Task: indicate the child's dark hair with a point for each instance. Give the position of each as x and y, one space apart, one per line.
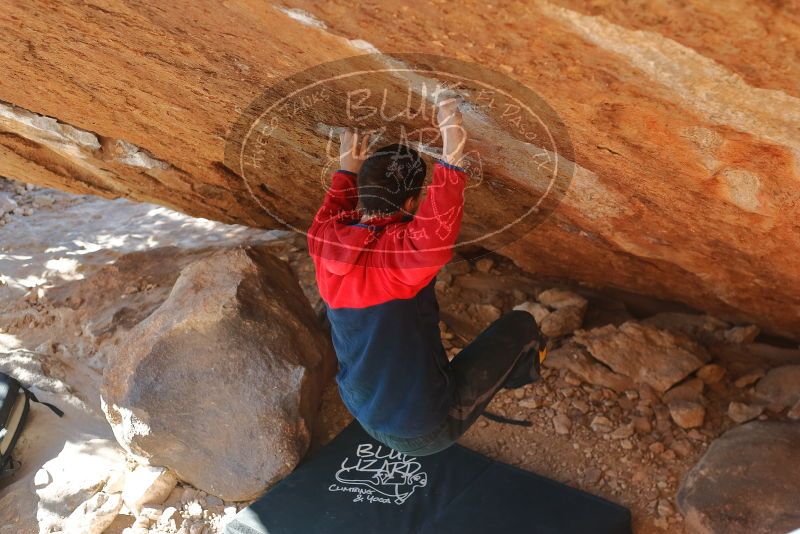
388 177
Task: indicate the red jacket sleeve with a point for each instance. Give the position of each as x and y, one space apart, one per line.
425 244
340 202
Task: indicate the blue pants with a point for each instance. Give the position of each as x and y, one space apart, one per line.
503 353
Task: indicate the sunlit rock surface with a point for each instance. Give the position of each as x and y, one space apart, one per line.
683 117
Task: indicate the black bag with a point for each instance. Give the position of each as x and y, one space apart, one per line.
355 485
14 406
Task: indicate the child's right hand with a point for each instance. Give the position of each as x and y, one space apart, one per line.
448 114
454 137
352 153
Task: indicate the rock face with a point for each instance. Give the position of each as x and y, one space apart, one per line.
719 494
686 151
221 383
646 354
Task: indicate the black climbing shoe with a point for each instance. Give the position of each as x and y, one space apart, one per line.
528 368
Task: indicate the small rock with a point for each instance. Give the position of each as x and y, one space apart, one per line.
7 204
741 334
749 378
741 412
95 515
485 313
147 485
538 311
167 514
691 390
601 424
529 403
626 444
687 414
592 475
116 482
572 380
623 432
581 405
43 201
642 424
562 322
794 412
194 510
656 448
561 424
484 265
151 511
696 435
560 298
780 386
681 447
711 373
664 508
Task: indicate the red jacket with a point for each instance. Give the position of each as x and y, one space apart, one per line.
361 265
377 280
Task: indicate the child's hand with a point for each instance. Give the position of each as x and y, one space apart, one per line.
454 137
448 113
352 153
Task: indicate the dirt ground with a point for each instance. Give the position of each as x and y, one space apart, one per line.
77 272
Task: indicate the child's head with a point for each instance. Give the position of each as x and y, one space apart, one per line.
390 180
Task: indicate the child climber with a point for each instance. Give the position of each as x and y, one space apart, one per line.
377 249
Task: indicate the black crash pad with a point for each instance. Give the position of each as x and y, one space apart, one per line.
355 485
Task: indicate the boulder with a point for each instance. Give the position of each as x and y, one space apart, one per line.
222 382
746 482
646 354
780 386
648 96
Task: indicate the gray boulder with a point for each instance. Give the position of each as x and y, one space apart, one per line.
746 483
222 382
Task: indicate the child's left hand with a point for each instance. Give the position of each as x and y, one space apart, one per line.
352 153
